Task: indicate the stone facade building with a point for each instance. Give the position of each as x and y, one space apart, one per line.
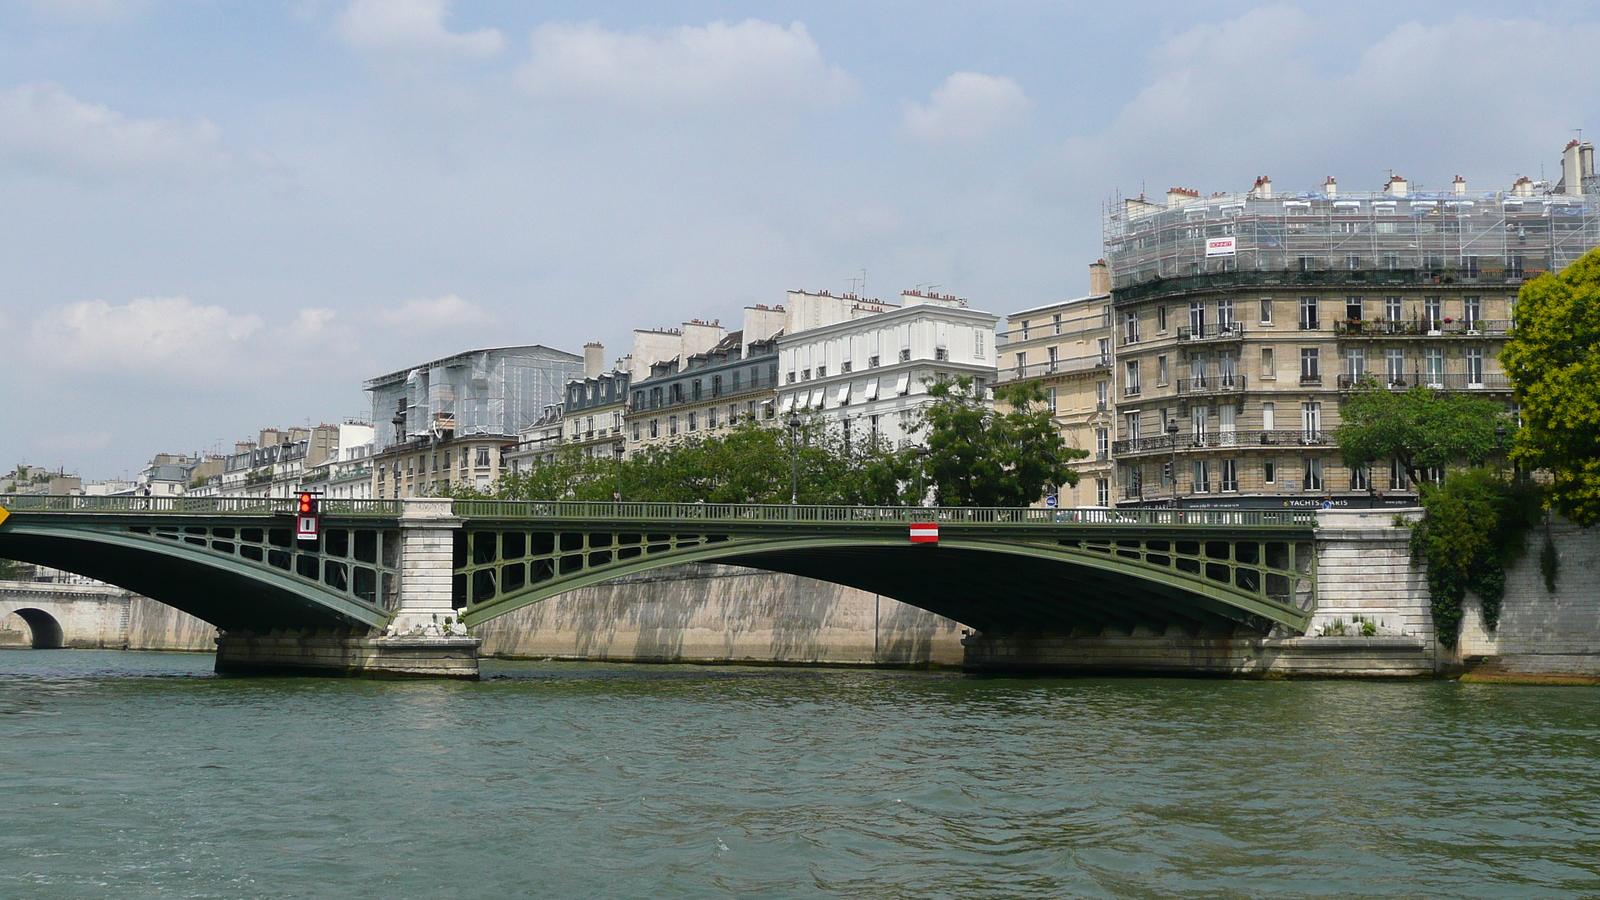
1243 320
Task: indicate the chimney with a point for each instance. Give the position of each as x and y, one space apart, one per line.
1396 186
1099 278
1331 188
1179 196
1523 187
1577 160
1459 185
1263 189
594 359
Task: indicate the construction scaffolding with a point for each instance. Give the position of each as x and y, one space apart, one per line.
1502 236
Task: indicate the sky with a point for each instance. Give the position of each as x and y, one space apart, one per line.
217 217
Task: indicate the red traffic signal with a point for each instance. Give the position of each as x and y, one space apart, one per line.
308 505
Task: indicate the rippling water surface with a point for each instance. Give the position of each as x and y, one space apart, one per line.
141 775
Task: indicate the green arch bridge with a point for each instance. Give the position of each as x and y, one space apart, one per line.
416 570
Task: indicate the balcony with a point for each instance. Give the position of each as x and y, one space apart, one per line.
1222 441
1208 385
1220 331
1294 279
1053 367
1131 390
1455 381
1383 328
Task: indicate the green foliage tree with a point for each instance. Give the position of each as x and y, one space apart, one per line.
1476 524
1553 359
11 570
980 457
1422 428
750 463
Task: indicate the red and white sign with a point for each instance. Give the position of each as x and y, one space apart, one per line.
925 532
1219 246
305 527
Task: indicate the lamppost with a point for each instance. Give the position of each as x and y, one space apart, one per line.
1500 445
794 459
616 456
922 465
1172 437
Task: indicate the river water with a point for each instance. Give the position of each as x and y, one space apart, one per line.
128 775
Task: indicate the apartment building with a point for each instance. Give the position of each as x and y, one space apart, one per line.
1244 320
1067 348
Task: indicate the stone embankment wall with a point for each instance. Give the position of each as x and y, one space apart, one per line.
101 617
1542 633
714 613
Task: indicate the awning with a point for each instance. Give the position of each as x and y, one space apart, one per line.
902 385
872 389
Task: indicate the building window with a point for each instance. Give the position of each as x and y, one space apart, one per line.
822 371
1269 471
1397 476
1050 396
1355 363
1266 310
636 431
1269 418
1161 318
1471 312
1268 364
1130 328
1230 475
1197 318
1130 425
1395 360
672 425
655 428
977 344
1225 314
1022 362
1432 312
1102 492
1353 309
1161 370
1311 421
1130 386
1102 443
1105 351
1024 329
872 362
481 458
791 378
1352 261
1360 478
1311 474
1308 314
905 354
1393 309
1433 366
941 353
1475 366
1469 267
1310 366
1102 390
1055 323
694 422
1201 473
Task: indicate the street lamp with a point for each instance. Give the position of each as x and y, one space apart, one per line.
922 464
794 459
1172 436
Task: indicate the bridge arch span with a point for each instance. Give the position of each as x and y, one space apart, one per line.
1000 583
44 630
182 567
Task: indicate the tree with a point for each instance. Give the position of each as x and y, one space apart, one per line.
980 457
1422 428
1553 359
11 570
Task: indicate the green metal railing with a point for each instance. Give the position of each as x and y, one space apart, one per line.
261 506
745 513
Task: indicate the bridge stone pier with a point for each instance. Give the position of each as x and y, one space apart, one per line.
393 588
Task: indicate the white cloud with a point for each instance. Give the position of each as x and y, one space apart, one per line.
412 26
1278 91
688 67
425 314
968 107
159 335
44 128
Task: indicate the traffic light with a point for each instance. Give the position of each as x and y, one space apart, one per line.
307 524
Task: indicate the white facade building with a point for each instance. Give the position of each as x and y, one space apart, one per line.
869 375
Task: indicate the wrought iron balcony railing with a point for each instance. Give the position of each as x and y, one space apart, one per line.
1222 440
1454 381
1210 384
1424 328
1216 331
